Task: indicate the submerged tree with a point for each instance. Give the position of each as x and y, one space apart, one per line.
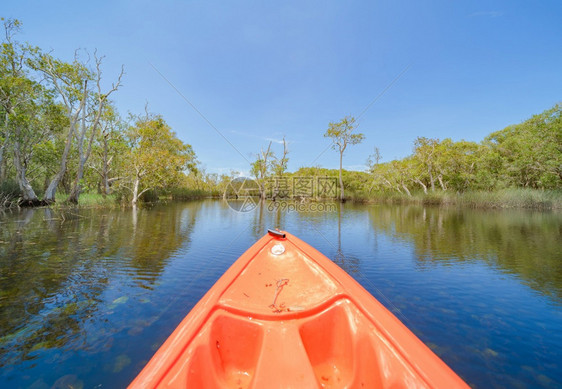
342 135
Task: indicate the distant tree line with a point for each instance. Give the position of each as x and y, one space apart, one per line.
60 131
525 155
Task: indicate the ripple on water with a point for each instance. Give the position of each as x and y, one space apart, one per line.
98 294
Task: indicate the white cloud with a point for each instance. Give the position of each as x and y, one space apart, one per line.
279 141
486 14
274 140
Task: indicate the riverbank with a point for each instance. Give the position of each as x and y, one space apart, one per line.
88 200
95 200
501 199
505 198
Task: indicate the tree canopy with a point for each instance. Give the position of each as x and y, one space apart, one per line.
60 130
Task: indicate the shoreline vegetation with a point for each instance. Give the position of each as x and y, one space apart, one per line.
63 143
502 199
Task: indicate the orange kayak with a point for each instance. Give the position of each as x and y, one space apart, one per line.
285 316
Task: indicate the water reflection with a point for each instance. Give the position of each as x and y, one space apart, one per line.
87 296
56 266
519 242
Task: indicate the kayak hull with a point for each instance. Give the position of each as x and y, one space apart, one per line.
285 316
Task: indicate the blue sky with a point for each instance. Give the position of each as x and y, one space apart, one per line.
264 70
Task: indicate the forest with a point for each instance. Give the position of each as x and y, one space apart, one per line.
61 135
63 140
519 166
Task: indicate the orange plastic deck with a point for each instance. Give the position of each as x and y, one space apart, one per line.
294 320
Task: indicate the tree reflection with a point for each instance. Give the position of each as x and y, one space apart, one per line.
55 267
519 242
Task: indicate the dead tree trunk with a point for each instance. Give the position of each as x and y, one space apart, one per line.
74 193
406 190
417 180
105 167
443 186
84 155
52 188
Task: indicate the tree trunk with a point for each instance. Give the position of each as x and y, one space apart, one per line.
76 187
105 167
136 191
4 143
2 163
431 179
29 198
443 186
422 185
52 188
136 185
75 191
407 190
342 197
83 157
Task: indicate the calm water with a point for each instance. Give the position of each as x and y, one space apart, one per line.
87 296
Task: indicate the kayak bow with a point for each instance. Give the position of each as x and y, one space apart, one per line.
285 316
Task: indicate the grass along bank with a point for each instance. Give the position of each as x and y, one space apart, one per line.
503 198
89 200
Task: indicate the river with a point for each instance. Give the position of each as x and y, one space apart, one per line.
88 295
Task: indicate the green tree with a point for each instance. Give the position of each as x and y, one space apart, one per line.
279 167
531 152
70 81
156 158
373 167
460 163
261 167
109 149
342 135
95 109
425 150
29 111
